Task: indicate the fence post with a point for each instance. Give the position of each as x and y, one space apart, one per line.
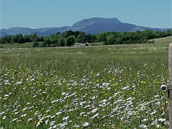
170 85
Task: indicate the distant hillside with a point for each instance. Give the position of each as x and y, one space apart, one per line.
92 25
98 25
24 31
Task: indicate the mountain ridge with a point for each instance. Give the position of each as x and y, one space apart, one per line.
92 25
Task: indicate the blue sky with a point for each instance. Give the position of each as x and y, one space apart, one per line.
55 13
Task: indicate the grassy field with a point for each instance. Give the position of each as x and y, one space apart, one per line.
30 45
102 87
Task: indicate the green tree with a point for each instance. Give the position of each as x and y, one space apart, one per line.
34 37
82 38
102 36
61 42
67 33
110 39
70 41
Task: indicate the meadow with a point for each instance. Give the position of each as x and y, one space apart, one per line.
101 87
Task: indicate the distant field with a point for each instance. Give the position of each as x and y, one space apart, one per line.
29 45
17 45
86 87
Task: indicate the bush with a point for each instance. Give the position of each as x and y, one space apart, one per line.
53 45
44 44
35 44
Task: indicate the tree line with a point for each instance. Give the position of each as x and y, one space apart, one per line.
69 38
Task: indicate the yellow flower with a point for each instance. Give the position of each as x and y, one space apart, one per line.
152 118
143 82
166 101
134 91
36 112
115 84
40 121
162 108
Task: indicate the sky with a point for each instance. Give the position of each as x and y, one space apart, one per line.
57 13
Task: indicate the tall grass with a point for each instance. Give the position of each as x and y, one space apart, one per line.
89 87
